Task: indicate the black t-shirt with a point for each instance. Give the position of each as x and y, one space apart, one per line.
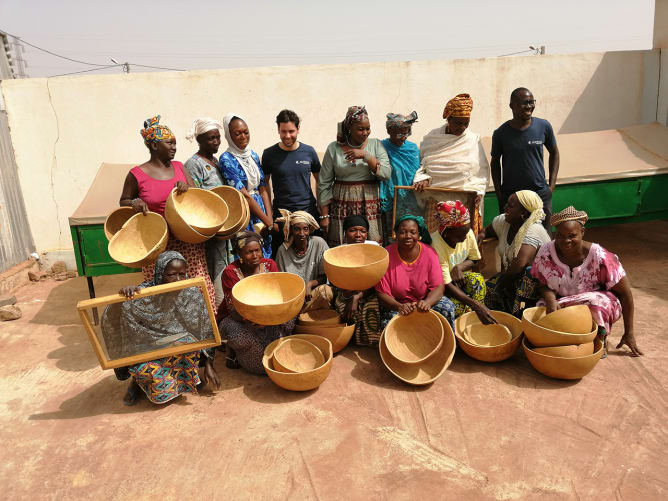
521 153
290 173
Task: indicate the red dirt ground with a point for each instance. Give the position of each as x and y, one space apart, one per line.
482 431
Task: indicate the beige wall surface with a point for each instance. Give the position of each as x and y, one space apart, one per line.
63 128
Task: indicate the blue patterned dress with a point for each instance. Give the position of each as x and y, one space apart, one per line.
234 175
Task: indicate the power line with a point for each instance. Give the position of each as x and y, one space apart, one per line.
154 67
87 71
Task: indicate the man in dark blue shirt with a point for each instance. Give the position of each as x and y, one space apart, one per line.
289 164
518 146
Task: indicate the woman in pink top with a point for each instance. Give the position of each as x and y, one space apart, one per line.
148 185
413 280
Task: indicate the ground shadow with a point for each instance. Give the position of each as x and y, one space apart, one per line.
76 354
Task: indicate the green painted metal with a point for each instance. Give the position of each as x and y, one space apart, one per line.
607 202
92 256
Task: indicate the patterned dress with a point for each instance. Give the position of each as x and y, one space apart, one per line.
590 283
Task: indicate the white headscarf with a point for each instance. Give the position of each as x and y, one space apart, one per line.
244 156
533 203
202 125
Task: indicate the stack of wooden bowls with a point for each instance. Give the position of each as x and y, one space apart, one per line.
356 267
140 241
488 343
563 344
269 298
300 362
239 212
116 219
196 215
417 348
326 323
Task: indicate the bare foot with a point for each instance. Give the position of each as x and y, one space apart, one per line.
130 397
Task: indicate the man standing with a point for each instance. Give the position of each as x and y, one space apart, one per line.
289 164
519 142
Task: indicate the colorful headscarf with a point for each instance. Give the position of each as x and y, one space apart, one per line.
202 125
354 114
570 213
153 132
422 226
290 218
397 121
459 106
533 203
355 220
451 215
243 238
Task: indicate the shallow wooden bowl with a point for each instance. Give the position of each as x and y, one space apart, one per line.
297 355
116 219
269 298
299 381
202 210
487 335
428 371
489 353
414 338
320 317
356 267
235 204
572 319
140 241
541 336
338 334
568 351
561 367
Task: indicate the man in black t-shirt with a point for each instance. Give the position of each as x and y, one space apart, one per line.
289 164
518 145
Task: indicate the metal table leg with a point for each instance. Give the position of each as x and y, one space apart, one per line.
91 293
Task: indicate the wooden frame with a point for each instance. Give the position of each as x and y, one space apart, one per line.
84 306
467 197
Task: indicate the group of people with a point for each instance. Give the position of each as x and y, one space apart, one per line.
353 203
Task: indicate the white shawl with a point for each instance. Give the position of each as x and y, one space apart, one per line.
456 162
244 156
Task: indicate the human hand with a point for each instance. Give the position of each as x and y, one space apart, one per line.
309 291
484 314
324 224
274 227
209 375
629 340
480 239
421 185
422 306
406 308
551 305
139 206
457 276
353 154
181 187
129 291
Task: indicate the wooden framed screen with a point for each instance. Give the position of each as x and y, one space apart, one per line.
160 321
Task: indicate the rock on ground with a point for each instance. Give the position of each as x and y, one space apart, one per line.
10 312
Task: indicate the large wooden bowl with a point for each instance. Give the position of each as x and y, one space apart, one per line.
561 367
237 206
320 317
339 334
299 381
116 219
414 338
269 298
541 336
203 210
140 241
489 353
572 319
356 267
297 355
568 351
487 335
428 371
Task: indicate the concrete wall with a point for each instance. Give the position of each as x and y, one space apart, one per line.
661 42
63 128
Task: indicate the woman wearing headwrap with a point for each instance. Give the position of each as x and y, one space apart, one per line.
301 252
348 183
404 158
413 280
161 320
453 156
240 167
573 271
520 234
148 185
359 307
457 250
246 341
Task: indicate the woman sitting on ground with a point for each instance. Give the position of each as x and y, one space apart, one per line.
457 250
573 271
301 252
246 341
147 321
359 307
240 167
520 235
413 280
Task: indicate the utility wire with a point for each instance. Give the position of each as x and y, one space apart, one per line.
520 52
87 71
155 67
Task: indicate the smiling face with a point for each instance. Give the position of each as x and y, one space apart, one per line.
288 133
356 235
251 253
174 271
239 133
569 238
398 135
359 131
408 234
514 211
522 103
165 150
209 142
457 125
300 233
